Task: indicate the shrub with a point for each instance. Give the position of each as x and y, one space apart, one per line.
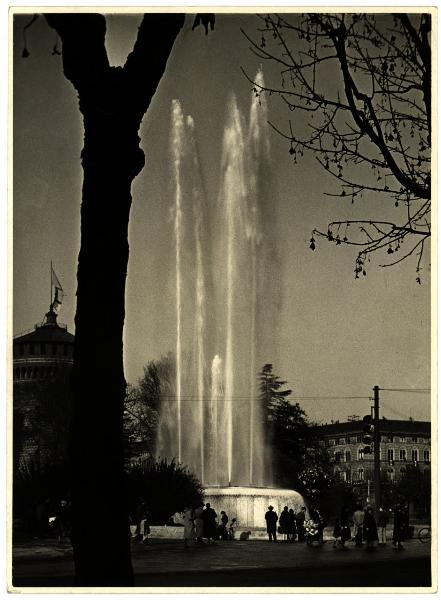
165 487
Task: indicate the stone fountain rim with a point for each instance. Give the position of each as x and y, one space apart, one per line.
233 490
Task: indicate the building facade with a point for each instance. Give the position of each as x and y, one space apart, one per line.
42 365
402 443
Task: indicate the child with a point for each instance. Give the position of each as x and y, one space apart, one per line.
232 529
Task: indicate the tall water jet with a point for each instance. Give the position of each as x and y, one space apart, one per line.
233 194
177 149
258 154
200 298
215 397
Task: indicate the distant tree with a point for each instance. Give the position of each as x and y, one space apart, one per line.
165 487
415 488
298 460
361 86
270 391
143 404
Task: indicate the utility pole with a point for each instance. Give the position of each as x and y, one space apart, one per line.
377 490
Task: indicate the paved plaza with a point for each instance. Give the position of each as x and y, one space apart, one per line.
253 563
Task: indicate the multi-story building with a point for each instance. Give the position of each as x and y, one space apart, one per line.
42 363
402 443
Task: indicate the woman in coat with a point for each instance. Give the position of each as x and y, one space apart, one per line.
399 526
370 533
345 527
199 523
189 533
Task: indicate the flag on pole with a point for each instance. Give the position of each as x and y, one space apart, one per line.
57 291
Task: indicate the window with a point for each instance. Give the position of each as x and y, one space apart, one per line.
353 439
360 474
402 454
390 438
337 457
390 474
332 442
348 456
402 439
390 454
342 441
414 439
359 438
426 455
343 476
360 454
415 455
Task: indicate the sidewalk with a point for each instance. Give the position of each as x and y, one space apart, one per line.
165 562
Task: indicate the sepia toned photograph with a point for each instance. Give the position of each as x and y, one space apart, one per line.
221 323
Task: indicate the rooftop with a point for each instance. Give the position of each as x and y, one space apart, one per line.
386 426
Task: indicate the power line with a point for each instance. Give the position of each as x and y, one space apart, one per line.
207 398
394 410
410 390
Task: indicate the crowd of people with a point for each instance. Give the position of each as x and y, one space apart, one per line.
202 525
360 526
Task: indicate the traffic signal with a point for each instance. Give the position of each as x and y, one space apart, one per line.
368 434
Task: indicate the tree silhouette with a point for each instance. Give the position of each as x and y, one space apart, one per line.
271 393
361 87
113 101
143 404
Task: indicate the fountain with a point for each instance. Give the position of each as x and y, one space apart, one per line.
214 424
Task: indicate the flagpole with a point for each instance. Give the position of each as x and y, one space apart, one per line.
50 305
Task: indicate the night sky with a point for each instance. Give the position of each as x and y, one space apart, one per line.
334 337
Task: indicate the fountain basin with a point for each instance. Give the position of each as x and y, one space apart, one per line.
249 504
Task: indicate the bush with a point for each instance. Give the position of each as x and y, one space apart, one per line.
165 487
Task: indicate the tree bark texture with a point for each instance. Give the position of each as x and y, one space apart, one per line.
113 101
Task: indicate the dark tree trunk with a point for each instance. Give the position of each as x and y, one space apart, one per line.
113 102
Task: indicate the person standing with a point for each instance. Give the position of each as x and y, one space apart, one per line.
232 529
370 533
300 524
399 526
199 523
209 518
336 534
223 527
189 533
284 523
345 527
271 519
383 520
358 519
291 525
63 521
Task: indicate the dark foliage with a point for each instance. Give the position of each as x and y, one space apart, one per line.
142 406
299 462
34 485
165 487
